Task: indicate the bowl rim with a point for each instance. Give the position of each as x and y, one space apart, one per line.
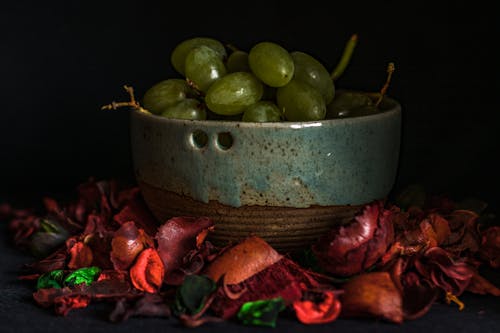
393 109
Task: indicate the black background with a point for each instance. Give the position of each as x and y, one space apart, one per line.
62 60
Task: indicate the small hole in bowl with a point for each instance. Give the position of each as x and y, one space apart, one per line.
199 139
224 140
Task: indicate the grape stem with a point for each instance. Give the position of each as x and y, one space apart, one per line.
345 58
390 69
115 105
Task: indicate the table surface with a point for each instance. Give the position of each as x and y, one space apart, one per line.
19 313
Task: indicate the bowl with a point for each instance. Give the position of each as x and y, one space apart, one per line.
287 182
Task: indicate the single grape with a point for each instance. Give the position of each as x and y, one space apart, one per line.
189 108
271 63
238 62
180 52
232 93
345 101
263 111
203 67
165 94
311 71
299 101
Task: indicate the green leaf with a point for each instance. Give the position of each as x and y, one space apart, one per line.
85 275
53 279
193 293
261 312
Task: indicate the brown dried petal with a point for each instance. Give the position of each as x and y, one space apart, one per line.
372 295
126 244
242 261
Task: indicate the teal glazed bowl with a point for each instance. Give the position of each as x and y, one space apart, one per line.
287 182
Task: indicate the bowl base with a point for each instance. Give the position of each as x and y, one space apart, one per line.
286 229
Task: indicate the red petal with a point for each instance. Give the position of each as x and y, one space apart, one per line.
148 271
327 311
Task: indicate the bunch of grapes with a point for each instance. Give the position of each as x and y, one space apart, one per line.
265 84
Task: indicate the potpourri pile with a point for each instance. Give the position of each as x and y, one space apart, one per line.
391 262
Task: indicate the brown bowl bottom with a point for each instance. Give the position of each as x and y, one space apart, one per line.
284 228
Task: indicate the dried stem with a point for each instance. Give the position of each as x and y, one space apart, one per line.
345 58
390 69
453 298
115 105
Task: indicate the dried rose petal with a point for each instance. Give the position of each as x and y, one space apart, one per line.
149 305
479 285
438 267
352 248
490 246
311 312
80 255
372 295
64 304
177 237
148 271
136 210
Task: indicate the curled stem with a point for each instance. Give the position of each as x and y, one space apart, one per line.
115 105
390 69
453 298
345 58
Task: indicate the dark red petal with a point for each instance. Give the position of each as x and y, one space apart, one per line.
177 237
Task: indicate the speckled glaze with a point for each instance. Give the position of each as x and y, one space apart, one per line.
348 161
287 182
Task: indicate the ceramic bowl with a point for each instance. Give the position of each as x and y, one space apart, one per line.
288 182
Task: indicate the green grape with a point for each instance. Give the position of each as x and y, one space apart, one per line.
189 108
238 62
300 102
345 101
262 111
365 110
165 94
271 63
232 93
180 52
311 71
203 66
